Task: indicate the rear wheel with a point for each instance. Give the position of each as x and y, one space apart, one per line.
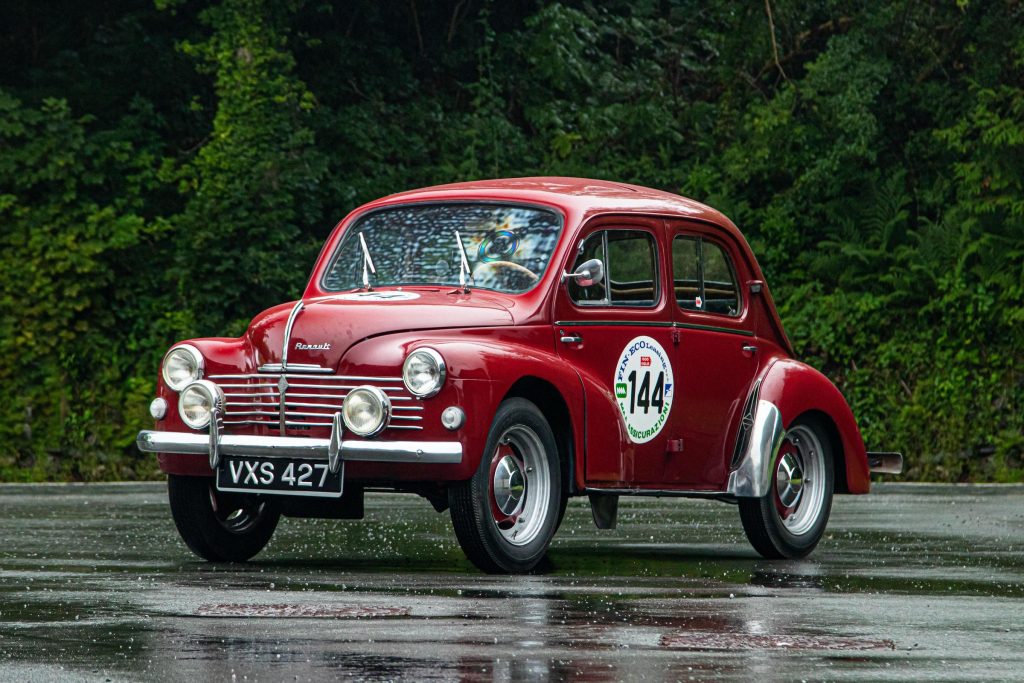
219 526
790 520
506 515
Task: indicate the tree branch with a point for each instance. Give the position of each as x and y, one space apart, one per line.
775 47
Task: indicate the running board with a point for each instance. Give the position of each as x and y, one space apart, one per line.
885 463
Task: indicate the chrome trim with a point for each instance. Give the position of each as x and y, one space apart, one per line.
433 452
752 477
189 443
258 399
196 356
385 409
216 426
282 404
442 371
296 309
886 463
334 444
306 368
347 378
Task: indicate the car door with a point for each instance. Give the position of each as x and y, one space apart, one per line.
617 333
716 356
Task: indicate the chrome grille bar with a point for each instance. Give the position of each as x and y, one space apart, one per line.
302 398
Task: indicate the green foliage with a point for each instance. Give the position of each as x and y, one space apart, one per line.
167 171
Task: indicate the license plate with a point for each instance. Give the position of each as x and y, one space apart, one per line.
279 476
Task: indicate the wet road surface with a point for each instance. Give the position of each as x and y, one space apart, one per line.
912 582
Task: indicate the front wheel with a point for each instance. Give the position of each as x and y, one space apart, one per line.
219 526
790 520
506 514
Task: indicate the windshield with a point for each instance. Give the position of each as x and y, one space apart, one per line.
508 247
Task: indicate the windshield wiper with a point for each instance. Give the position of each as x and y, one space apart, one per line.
367 264
463 265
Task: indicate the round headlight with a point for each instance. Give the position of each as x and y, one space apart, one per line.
197 401
423 372
366 411
182 364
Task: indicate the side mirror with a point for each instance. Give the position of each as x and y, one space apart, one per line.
588 274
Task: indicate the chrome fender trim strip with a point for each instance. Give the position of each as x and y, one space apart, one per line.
752 477
429 452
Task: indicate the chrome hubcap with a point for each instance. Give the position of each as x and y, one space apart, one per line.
800 481
789 480
520 485
509 485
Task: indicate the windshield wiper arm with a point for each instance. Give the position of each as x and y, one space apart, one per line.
367 264
463 264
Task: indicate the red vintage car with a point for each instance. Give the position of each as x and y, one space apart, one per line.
498 347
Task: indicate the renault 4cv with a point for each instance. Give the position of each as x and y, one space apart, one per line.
498 347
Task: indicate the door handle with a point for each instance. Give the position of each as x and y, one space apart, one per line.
571 339
749 348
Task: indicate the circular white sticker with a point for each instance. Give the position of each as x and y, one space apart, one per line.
644 388
380 296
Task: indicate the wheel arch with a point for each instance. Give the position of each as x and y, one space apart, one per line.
840 484
555 409
798 390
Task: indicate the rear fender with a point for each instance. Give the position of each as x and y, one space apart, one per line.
788 390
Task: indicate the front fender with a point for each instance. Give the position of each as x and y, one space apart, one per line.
483 367
787 390
220 355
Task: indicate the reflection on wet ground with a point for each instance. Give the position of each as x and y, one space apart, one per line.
922 582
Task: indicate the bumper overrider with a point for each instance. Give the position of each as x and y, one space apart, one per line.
333 449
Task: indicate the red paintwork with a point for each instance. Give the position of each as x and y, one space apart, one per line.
796 389
490 341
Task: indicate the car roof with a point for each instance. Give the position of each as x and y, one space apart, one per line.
581 199
585 196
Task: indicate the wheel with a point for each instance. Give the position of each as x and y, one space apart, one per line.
789 521
218 526
506 514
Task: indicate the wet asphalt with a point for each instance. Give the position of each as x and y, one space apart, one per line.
911 583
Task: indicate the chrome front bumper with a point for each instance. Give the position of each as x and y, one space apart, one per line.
431 452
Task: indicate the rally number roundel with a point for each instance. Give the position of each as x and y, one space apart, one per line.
644 388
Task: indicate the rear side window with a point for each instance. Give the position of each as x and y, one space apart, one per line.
630 260
704 277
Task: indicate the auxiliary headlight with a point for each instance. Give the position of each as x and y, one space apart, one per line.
423 372
182 364
197 401
366 411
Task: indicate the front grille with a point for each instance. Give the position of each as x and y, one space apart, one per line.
310 401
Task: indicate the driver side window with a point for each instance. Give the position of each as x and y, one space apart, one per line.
631 273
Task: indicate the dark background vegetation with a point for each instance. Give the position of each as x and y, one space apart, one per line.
168 170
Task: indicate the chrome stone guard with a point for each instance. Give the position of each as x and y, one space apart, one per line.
334 449
753 477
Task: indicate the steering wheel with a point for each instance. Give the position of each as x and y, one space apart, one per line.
513 268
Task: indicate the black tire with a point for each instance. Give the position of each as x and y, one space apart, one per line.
511 536
778 530
218 526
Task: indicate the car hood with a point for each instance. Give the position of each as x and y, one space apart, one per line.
325 328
